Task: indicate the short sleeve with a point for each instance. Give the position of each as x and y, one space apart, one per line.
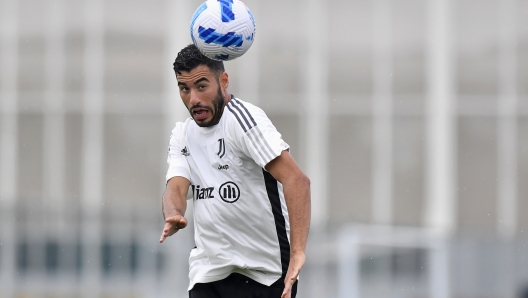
178 165
255 135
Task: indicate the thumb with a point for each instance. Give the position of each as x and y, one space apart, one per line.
177 220
182 223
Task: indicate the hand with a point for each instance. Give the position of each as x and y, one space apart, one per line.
172 225
296 262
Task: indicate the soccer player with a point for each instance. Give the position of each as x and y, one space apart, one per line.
251 199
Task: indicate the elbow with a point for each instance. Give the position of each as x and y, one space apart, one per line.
306 181
303 181
298 181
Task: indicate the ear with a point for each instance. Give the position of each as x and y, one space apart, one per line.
224 80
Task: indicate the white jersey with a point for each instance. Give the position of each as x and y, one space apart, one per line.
240 215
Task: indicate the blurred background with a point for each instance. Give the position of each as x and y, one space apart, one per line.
409 116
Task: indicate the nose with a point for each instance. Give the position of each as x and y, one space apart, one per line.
194 98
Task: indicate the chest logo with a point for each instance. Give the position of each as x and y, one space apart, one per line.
229 192
221 148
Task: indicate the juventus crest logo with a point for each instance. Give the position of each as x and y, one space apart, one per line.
221 148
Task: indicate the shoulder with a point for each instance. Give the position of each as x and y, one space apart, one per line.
245 114
179 127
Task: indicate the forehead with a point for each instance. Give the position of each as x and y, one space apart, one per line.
189 77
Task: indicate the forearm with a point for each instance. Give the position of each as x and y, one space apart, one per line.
297 194
172 205
174 199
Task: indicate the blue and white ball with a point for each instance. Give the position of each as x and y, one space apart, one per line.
223 29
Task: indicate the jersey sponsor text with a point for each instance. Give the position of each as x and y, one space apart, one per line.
202 193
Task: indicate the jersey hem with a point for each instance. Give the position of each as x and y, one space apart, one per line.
268 280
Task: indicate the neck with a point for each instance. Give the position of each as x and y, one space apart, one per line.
220 109
227 97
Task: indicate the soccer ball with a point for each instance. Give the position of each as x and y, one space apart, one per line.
223 29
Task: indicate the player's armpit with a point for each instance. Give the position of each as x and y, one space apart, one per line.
284 168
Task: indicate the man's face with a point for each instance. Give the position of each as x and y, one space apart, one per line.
203 94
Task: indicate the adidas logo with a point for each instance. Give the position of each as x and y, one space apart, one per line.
185 152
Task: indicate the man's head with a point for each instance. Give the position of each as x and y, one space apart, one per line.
203 85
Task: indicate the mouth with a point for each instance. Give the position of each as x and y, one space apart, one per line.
200 114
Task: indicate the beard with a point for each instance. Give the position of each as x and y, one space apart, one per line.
216 111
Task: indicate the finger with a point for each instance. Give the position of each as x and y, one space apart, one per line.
166 232
286 293
166 235
290 279
167 227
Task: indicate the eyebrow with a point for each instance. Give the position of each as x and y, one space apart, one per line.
200 80
196 82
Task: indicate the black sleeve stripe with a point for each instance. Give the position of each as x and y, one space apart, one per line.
243 115
267 145
253 132
280 222
248 113
257 143
236 116
261 142
260 153
251 138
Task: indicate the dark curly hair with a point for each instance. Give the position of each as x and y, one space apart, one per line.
190 57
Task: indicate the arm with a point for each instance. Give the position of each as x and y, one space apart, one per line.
174 205
297 194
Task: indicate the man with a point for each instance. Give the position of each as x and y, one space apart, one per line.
251 200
